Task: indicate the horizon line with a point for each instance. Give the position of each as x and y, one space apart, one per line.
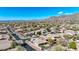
30 19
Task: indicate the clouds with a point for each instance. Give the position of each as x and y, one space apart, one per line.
60 12
63 13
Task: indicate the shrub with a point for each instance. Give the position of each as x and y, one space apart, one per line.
39 33
77 36
19 48
13 44
59 48
74 38
50 41
73 45
68 36
48 29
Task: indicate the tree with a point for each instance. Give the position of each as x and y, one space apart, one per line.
50 41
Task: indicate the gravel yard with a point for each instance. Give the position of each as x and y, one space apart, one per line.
4 44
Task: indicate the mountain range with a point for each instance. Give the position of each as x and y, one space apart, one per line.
62 18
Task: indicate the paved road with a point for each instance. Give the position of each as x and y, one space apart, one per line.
25 45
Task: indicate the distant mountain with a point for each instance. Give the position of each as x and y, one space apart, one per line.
64 18
74 18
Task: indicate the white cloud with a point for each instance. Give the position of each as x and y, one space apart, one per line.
63 13
60 12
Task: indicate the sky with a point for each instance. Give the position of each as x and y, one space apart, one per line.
29 13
